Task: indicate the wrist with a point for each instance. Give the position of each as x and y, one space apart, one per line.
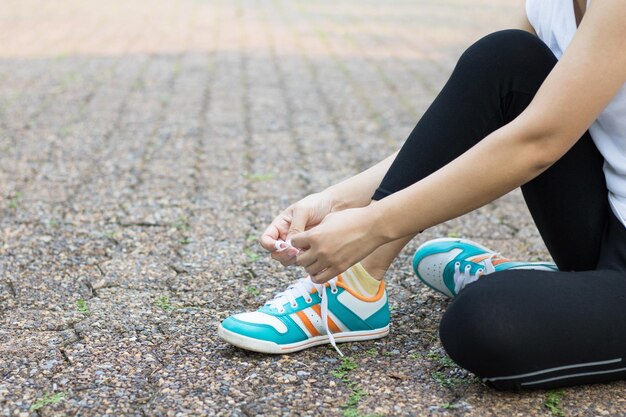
337 199
380 225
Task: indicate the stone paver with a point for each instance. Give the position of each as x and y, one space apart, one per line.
143 146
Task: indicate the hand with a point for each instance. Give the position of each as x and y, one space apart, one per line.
298 217
341 240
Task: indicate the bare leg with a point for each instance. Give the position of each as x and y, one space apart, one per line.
378 261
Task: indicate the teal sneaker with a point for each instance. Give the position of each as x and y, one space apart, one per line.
307 315
447 265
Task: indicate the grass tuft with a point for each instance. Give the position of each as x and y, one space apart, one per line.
182 224
14 201
443 360
252 255
253 291
347 365
553 403
448 381
163 303
259 177
46 400
356 392
82 307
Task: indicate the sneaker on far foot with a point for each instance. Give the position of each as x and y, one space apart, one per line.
309 314
447 265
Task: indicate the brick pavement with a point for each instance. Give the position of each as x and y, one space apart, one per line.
143 144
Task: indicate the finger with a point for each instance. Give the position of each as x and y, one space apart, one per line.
276 230
324 276
301 240
269 237
305 259
299 220
284 258
315 268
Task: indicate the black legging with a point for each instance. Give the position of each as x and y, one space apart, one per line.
525 328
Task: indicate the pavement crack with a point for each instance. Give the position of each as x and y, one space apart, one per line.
140 224
178 269
11 288
65 357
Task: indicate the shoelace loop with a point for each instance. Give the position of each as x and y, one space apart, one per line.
461 279
303 288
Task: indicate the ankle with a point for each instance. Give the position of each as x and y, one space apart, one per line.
377 271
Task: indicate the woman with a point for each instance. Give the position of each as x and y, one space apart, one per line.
519 110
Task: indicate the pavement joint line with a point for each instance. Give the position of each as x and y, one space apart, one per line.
329 108
135 85
289 105
382 128
406 39
199 148
394 90
82 107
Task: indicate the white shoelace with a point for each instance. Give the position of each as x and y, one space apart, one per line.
303 288
461 279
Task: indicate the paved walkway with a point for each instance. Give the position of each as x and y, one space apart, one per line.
145 144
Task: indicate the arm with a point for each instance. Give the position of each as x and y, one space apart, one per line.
522 18
357 191
353 192
589 74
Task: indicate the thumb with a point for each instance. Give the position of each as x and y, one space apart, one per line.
299 220
301 240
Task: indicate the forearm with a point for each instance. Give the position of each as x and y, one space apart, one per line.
504 160
357 191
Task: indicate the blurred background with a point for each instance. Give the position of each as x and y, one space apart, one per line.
145 144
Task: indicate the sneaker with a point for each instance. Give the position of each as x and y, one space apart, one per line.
307 315
448 265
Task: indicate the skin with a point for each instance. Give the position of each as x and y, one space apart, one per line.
348 227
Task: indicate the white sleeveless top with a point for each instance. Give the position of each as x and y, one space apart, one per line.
554 22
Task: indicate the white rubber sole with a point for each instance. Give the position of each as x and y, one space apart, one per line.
456 239
264 346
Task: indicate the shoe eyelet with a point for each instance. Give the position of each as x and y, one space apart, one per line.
294 305
334 291
281 311
457 264
308 301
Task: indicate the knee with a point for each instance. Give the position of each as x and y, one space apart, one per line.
473 335
508 51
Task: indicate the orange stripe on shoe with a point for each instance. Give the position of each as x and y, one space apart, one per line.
499 261
331 324
375 297
310 327
478 258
